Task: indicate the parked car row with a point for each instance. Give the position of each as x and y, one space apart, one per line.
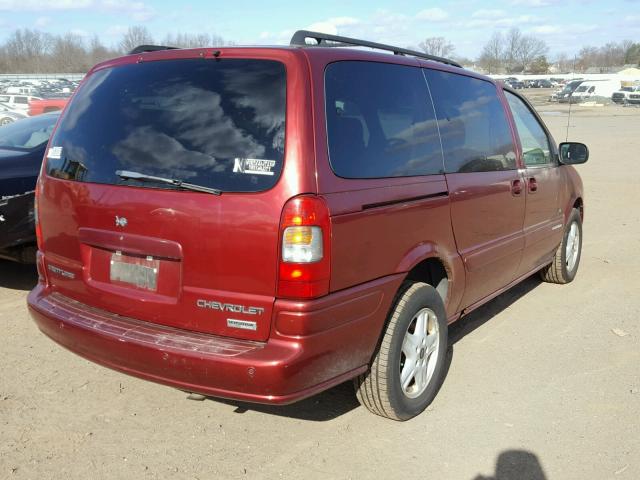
516 84
581 90
49 88
627 95
22 98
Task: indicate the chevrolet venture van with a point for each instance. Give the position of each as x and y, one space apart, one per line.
262 224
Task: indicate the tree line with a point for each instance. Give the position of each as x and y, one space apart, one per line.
32 51
515 52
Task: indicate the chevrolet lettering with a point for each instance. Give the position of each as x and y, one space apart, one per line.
229 307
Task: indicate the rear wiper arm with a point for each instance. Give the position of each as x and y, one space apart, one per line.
125 174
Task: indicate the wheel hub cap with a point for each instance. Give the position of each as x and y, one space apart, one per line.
572 248
419 354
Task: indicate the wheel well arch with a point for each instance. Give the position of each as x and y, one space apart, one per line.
580 206
433 271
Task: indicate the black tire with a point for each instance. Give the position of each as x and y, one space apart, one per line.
379 389
558 271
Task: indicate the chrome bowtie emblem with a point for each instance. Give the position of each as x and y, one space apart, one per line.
2 218
121 221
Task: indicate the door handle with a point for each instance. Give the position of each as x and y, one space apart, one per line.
516 187
533 185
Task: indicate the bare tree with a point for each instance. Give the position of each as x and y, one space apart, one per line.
531 48
512 47
135 36
188 40
564 63
492 54
438 46
606 58
98 52
521 50
32 51
587 57
26 50
69 55
612 54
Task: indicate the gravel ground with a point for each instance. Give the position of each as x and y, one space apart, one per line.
544 381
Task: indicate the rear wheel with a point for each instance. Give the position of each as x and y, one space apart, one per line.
5 121
408 368
566 260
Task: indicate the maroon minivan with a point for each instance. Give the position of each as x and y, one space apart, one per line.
262 224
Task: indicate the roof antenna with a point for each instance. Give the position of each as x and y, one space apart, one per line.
566 138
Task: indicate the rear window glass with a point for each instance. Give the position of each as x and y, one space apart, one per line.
214 123
476 136
380 121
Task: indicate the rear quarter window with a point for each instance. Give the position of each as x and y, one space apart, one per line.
214 123
380 121
476 136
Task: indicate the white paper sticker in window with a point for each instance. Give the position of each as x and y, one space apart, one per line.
55 153
253 166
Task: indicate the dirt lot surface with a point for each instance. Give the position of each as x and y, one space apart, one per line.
544 381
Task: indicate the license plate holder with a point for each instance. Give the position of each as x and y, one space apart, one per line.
140 272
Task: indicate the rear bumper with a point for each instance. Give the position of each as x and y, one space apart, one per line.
324 351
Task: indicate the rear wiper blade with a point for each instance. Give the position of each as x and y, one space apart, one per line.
125 174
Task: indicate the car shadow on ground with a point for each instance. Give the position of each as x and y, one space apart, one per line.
517 465
476 319
341 399
17 276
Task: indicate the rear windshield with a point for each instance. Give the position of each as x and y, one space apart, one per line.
214 123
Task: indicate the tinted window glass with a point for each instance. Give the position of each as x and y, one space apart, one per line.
473 126
216 123
28 133
535 144
4 98
380 121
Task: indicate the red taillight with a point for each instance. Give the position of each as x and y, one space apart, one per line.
305 241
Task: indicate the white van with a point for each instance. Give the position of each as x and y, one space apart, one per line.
623 95
20 90
595 88
17 102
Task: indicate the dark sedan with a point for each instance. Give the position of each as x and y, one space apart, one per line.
22 147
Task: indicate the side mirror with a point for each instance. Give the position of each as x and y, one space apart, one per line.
573 153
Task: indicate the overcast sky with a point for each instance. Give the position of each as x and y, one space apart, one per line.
565 25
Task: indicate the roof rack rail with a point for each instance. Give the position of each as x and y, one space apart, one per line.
300 39
150 48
